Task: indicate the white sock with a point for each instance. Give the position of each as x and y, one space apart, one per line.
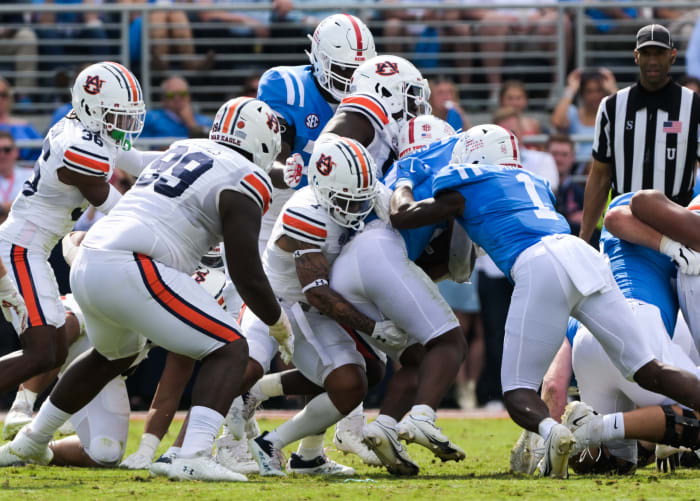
613 427
423 410
318 415
267 387
545 427
47 421
202 428
25 395
149 444
172 452
387 421
311 447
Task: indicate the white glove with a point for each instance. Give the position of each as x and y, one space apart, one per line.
687 259
143 457
382 203
293 170
282 332
387 334
10 301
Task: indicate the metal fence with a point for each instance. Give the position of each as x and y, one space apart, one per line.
444 39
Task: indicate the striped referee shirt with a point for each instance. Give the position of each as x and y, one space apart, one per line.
651 139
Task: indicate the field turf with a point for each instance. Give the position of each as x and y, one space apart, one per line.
482 475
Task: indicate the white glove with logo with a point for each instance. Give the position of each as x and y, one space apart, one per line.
10 301
687 259
143 457
282 332
387 334
293 170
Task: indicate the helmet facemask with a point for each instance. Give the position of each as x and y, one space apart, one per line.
121 127
347 209
416 98
332 75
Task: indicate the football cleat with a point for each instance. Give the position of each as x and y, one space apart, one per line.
320 465
66 429
526 453
235 455
586 425
348 439
557 448
385 443
422 431
202 467
241 411
161 467
7 458
268 457
20 414
28 449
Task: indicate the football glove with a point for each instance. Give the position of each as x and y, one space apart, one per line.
388 335
143 457
293 170
687 259
411 172
11 301
282 332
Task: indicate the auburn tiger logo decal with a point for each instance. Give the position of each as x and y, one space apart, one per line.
93 85
325 164
387 68
272 123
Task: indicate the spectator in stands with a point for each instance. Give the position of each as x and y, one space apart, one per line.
20 42
590 87
691 82
539 162
445 103
12 176
570 196
250 86
20 129
692 54
513 95
418 26
176 118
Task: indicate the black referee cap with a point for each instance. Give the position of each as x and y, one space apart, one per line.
654 34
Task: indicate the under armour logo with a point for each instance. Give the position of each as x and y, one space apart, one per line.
93 85
325 164
387 68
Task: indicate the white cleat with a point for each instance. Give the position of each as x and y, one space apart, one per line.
7 458
586 425
348 439
320 465
526 453
384 441
162 466
421 430
557 448
235 455
28 449
202 467
19 415
268 457
241 411
66 429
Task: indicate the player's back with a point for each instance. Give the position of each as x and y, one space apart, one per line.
46 208
171 213
506 209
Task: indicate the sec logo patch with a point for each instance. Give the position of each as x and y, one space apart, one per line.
312 121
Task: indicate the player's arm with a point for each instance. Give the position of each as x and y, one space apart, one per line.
407 213
555 384
94 188
595 197
353 125
624 225
313 271
675 221
134 161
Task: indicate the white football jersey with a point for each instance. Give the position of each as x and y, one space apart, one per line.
385 144
694 204
171 214
303 219
46 209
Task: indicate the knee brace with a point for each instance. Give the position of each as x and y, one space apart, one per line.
690 428
105 451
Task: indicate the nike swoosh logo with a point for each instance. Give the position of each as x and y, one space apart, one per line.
576 421
615 423
680 251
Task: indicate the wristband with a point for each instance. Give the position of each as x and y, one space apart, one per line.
111 200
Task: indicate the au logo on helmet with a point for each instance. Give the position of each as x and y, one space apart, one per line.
272 123
93 85
387 68
325 164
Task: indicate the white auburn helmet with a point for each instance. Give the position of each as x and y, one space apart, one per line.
396 83
210 274
342 176
421 131
487 144
107 99
340 42
250 125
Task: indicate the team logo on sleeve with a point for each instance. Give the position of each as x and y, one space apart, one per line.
387 68
93 85
325 164
312 121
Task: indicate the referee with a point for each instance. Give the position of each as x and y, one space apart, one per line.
646 135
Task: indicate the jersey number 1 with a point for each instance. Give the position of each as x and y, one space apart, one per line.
542 211
174 172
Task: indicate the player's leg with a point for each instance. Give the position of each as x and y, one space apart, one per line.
688 287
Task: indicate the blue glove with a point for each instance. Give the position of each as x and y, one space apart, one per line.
412 172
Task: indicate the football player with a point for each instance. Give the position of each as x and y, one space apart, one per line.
510 213
132 280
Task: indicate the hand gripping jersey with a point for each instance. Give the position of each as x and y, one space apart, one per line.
303 219
506 209
171 214
47 209
385 144
642 273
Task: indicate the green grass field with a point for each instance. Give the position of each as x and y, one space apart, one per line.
483 475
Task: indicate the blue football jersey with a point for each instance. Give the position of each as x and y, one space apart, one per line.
506 209
642 273
292 93
571 329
